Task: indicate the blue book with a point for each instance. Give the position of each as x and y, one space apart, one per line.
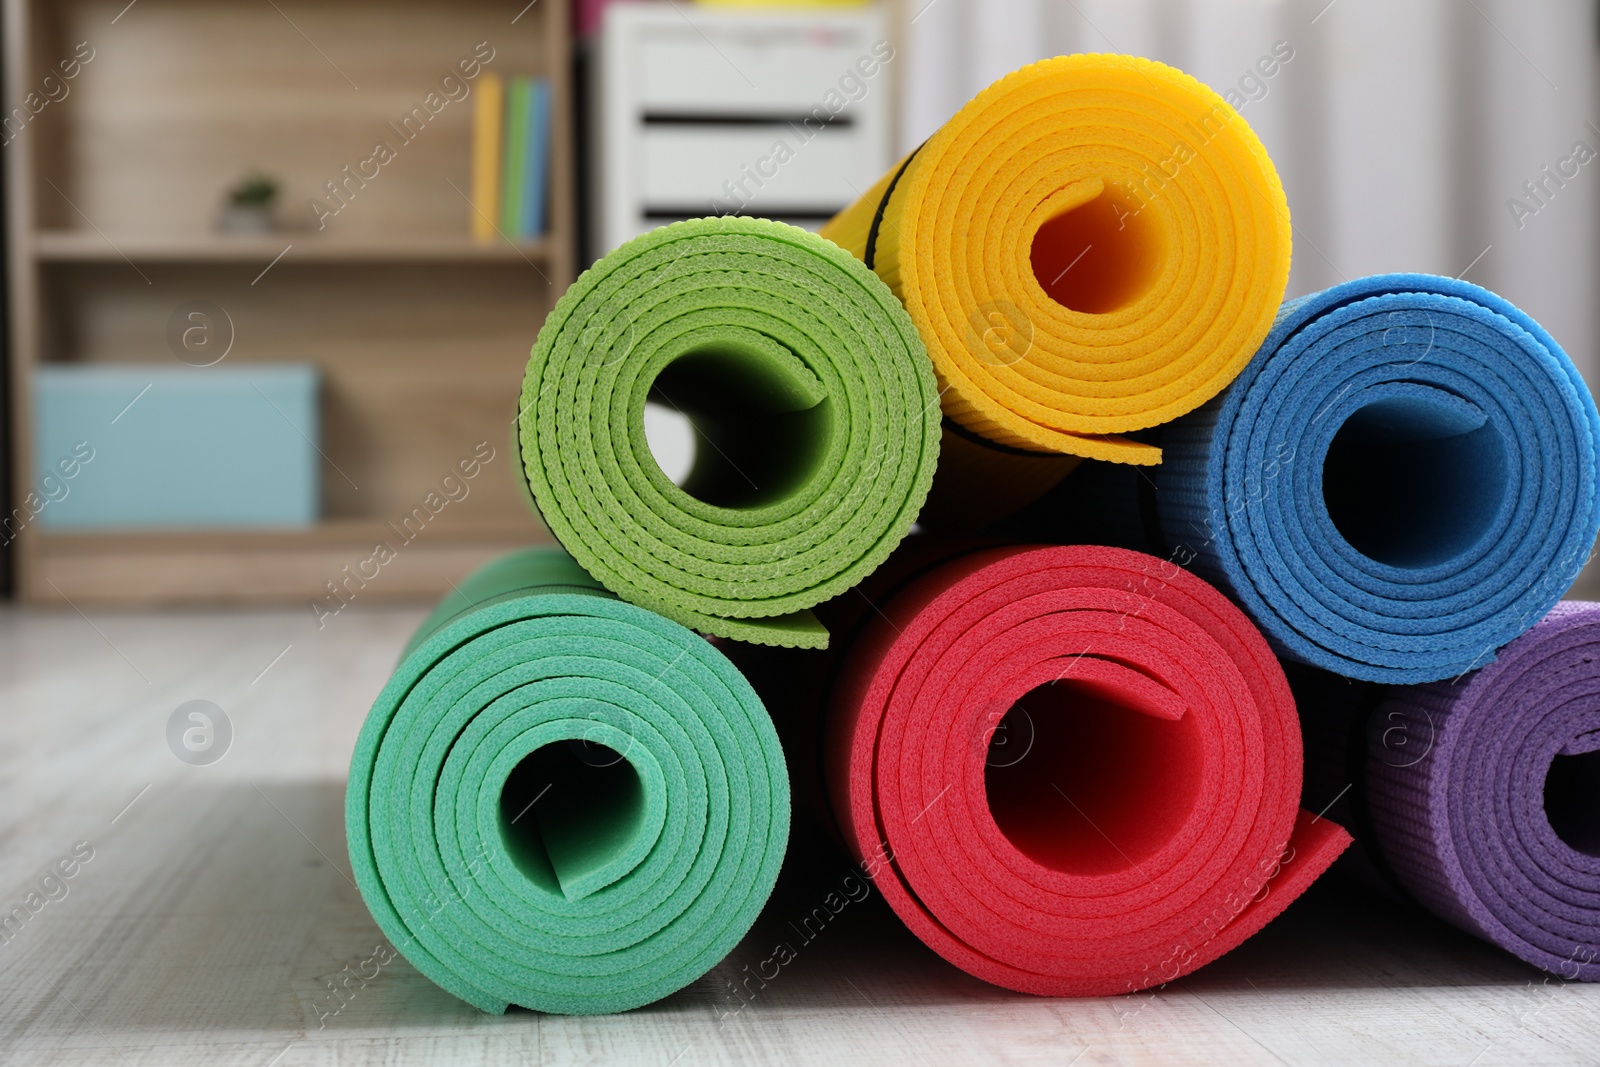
536 174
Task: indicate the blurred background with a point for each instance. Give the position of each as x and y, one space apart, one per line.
272 270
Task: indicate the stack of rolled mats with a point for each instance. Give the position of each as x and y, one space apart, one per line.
1398 490
1014 492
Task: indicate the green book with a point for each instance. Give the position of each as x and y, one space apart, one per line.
513 204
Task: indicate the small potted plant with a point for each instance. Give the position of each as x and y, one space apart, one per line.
250 204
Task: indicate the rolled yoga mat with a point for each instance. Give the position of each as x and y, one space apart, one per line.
1401 482
814 407
1094 244
1481 798
1071 771
561 800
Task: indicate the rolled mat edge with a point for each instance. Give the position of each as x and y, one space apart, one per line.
827 355
530 654
1019 366
965 898
1462 806
1241 490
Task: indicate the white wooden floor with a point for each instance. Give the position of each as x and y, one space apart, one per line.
217 907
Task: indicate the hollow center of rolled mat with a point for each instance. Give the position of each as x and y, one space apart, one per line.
1572 801
1414 480
1088 780
1098 256
568 813
761 421
670 435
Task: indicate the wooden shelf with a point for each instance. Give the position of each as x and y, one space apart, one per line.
145 567
87 246
327 533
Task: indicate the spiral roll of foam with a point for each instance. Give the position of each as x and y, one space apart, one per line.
1094 244
814 407
561 800
1402 481
1071 771
1482 797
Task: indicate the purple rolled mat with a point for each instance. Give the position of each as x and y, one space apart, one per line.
1483 795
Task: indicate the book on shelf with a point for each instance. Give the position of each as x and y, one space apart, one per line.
486 157
538 173
511 159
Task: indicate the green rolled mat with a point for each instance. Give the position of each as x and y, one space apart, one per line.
815 411
561 800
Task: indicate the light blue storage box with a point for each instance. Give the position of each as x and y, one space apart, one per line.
177 446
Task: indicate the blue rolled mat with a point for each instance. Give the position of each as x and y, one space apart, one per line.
1400 482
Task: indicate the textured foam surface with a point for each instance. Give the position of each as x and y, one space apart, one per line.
816 416
561 800
1490 812
1401 481
1094 244
1072 771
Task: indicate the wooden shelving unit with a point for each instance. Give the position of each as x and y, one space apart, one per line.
74 246
421 333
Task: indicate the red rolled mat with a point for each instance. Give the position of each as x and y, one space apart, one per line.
1136 814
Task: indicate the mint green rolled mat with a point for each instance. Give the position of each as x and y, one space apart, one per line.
562 800
816 418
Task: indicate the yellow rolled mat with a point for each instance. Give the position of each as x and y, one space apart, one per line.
1095 244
